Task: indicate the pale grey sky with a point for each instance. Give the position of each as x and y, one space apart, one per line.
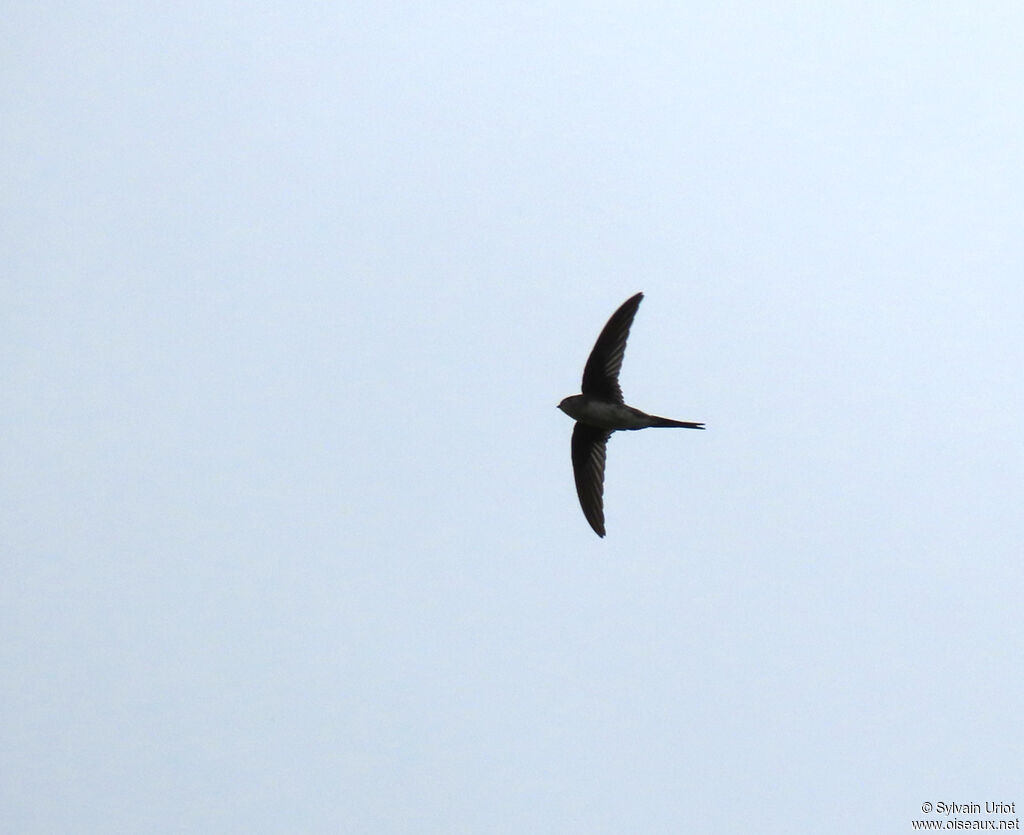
289 535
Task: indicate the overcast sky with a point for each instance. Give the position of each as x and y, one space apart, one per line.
289 535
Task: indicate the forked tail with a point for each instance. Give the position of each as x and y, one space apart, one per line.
660 421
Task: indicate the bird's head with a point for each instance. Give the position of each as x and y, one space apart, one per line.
568 404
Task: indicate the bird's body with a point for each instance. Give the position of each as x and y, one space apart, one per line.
600 410
606 414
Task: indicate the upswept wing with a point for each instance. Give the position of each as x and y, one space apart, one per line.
601 374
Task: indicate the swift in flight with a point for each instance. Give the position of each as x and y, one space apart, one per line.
600 410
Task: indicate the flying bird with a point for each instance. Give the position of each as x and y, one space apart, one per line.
600 410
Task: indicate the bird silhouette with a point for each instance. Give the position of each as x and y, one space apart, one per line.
600 410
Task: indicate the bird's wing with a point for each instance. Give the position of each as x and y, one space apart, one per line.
601 375
588 452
